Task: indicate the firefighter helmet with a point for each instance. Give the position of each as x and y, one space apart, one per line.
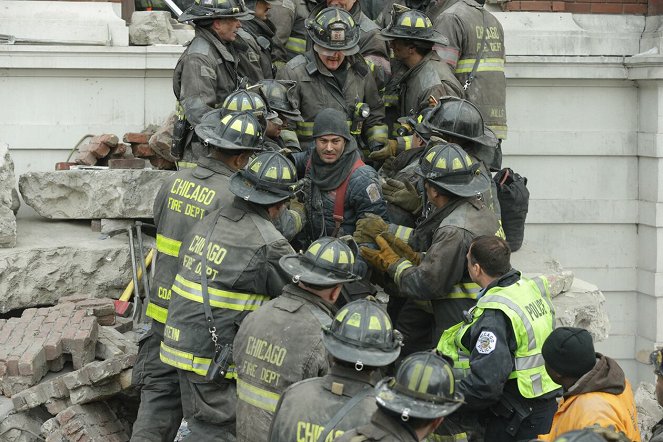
278 93
411 24
656 359
460 118
448 166
413 123
328 261
212 9
423 388
233 131
268 179
362 334
334 29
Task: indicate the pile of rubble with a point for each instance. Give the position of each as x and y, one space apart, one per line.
67 370
153 145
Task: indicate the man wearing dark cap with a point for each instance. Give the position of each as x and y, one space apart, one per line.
595 388
341 188
281 343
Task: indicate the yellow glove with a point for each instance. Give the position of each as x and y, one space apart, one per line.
380 259
401 248
368 228
390 149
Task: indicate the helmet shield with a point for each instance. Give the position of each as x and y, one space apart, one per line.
268 179
423 388
362 334
451 168
334 29
279 98
327 262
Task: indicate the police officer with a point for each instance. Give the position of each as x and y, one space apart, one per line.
497 349
360 340
281 343
412 404
184 199
278 95
255 43
340 187
476 52
412 36
207 70
331 75
228 267
437 286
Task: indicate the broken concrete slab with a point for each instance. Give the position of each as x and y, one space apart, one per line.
151 27
583 306
92 194
9 201
55 259
93 422
23 427
649 411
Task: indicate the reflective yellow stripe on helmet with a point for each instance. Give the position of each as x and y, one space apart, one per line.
257 397
168 246
297 45
218 298
156 312
466 65
189 362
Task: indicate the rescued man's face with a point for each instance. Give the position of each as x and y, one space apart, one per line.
330 148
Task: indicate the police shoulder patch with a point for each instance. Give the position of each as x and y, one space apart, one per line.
486 342
373 192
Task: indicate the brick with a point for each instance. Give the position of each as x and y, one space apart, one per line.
606 8
558 6
531 5
511 6
162 163
120 150
56 406
106 320
578 8
635 9
142 150
28 314
108 139
136 138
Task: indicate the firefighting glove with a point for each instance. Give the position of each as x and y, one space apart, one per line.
368 228
390 149
380 259
298 213
402 248
402 194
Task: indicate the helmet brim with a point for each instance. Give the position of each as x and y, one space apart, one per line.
290 114
487 139
479 184
397 402
347 50
437 38
244 189
207 136
197 12
307 273
371 357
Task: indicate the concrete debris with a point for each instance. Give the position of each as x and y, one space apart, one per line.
56 259
91 422
42 338
162 139
92 194
649 411
9 201
151 27
23 427
560 282
583 305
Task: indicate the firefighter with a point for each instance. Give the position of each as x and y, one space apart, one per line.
183 200
436 285
360 340
255 43
332 75
281 343
339 187
412 404
228 267
278 95
496 350
207 70
476 53
411 36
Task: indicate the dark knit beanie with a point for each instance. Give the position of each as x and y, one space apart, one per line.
569 351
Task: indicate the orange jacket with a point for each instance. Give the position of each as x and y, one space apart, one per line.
578 411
